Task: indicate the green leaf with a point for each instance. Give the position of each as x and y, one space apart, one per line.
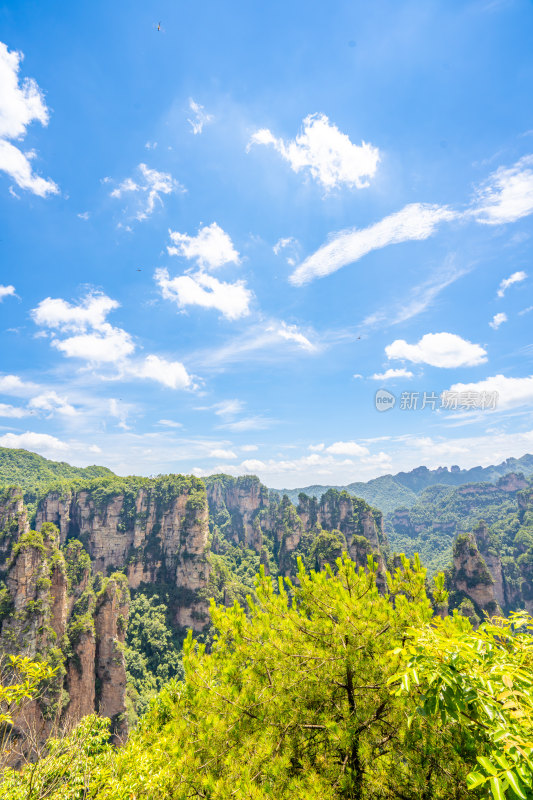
513 782
487 765
475 779
497 789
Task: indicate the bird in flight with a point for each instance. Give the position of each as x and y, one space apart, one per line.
139 269
158 26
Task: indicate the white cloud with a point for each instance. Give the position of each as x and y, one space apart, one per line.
228 408
19 106
43 443
439 350
507 195
414 222
497 320
170 423
291 333
270 341
13 385
168 373
231 299
255 423
84 215
12 411
219 453
512 392
6 291
201 117
390 374
96 341
281 244
109 346
249 448
347 449
91 312
150 187
211 248
329 155
418 298
516 277
52 402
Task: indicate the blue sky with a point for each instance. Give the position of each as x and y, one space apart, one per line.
220 239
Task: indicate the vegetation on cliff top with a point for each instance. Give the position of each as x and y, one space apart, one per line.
325 689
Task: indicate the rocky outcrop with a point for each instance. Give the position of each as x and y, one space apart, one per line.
243 512
158 531
235 505
110 622
52 608
488 548
471 577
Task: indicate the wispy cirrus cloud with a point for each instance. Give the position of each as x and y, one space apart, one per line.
516 277
414 222
201 117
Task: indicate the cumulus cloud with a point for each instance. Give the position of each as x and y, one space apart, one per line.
329 155
43 443
90 312
497 320
390 374
13 385
21 102
516 277
99 343
414 222
94 340
171 374
200 289
512 392
347 449
107 346
149 187
13 412
507 195
201 117
6 291
50 401
438 350
222 454
211 248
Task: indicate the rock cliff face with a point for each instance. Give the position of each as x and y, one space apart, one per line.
76 625
471 577
243 511
158 532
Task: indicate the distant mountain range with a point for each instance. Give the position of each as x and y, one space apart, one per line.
389 492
